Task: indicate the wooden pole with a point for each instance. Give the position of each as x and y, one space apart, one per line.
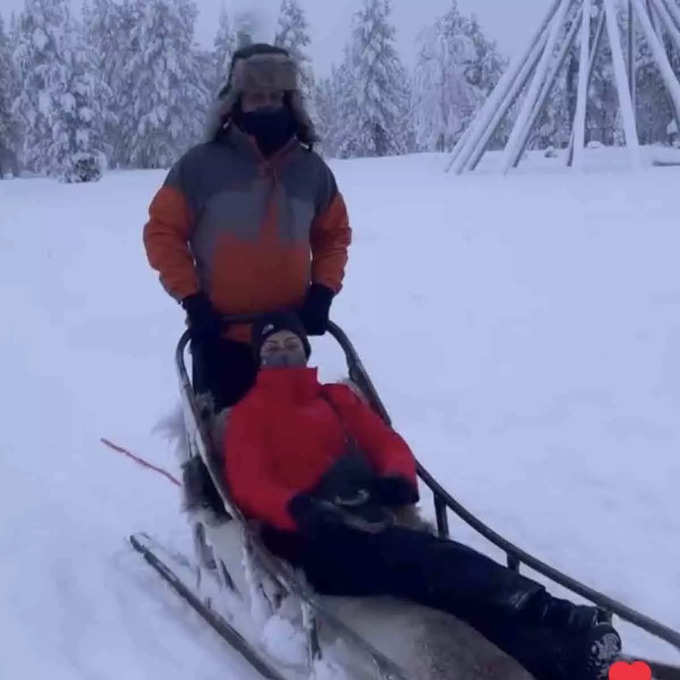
667 21
597 43
549 84
659 54
581 102
657 22
477 128
478 152
650 11
622 85
502 92
519 130
631 54
674 12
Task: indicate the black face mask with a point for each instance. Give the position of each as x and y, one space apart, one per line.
271 127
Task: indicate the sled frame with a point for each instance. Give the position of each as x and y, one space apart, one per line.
443 500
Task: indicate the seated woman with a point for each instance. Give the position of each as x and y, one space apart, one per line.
320 469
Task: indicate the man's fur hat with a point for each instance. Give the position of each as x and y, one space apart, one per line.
261 67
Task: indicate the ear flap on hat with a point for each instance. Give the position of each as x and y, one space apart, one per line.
306 132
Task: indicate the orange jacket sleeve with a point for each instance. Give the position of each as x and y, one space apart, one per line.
166 238
386 450
248 472
330 237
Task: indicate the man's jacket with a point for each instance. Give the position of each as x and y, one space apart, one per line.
289 430
251 232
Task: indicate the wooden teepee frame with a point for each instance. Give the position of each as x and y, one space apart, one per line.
536 70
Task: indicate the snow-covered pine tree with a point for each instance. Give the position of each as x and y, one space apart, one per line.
40 51
9 124
205 64
443 99
224 47
77 151
108 26
326 107
456 70
292 34
485 72
373 111
246 24
13 32
57 102
166 87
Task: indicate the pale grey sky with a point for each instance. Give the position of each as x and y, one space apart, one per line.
510 22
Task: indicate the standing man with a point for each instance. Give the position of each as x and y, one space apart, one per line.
249 222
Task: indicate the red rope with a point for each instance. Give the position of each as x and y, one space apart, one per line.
139 460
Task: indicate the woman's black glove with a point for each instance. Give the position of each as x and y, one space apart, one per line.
315 309
313 515
394 490
205 323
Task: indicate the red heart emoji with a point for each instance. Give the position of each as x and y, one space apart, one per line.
630 671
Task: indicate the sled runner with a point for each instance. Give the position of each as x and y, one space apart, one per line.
263 608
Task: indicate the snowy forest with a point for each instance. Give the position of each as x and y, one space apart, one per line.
124 84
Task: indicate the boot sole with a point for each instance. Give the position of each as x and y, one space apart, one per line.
604 649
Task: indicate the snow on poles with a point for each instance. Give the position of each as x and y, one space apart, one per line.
673 11
622 86
519 130
548 85
664 20
465 145
599 32
659 53
667 21
535 74
631 54
521 82
581 103
507 89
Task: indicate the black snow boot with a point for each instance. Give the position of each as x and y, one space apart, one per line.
601 646
549 654
562 615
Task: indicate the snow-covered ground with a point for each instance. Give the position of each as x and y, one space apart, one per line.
524 332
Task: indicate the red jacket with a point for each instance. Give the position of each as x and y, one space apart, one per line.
289 430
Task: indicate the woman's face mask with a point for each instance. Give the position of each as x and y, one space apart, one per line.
283 349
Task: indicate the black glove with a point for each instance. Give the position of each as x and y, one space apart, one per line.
394 490
315 309
204 322
317 515
313 515
349 476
